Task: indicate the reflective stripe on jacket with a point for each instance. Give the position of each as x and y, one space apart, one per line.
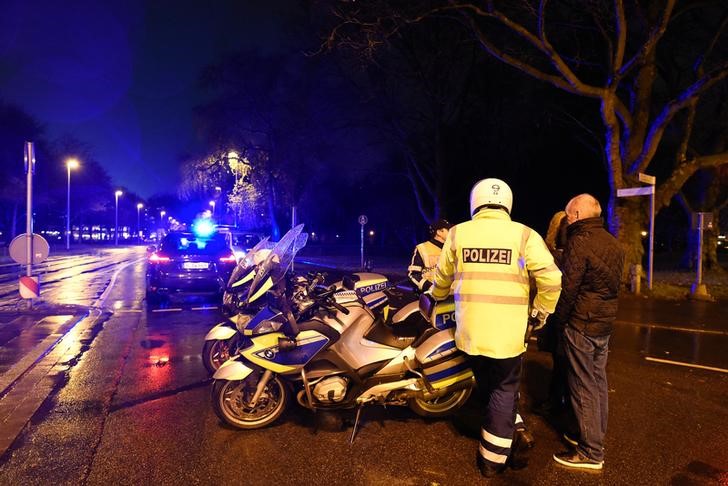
430 254
489 259
424 260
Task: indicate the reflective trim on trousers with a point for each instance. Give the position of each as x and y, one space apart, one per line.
492 456
495 440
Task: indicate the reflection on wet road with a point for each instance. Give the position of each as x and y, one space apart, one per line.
680 333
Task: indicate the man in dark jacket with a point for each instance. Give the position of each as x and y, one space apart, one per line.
592 270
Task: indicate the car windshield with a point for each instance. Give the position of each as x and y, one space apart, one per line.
188 243
245 240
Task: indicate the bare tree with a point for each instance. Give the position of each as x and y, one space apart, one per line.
601 50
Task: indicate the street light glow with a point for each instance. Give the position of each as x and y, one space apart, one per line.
71 163
140 205
118 193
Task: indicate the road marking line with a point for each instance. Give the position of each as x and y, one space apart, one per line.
689 365
128 310
166 310
673 328
102 298
204 308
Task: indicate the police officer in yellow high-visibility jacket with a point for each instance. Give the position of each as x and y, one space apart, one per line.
421 270
489 259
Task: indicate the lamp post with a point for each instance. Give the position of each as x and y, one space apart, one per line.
139 228
116 223
212 203
70 164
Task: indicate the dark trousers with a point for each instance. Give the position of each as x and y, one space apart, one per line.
551 339
588 389
498 382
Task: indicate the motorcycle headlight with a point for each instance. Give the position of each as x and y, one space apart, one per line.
267 326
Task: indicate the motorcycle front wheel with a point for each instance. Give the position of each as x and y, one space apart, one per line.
440 406
230 400
215 352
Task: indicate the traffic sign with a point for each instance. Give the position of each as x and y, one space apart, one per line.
363 220
19 249
29 287
636 191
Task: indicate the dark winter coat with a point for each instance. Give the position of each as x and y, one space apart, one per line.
591 273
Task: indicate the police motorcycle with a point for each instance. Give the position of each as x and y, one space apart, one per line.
222 340
339 356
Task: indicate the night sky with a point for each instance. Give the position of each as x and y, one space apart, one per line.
123 76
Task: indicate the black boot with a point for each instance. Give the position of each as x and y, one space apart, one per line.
523 442
487 469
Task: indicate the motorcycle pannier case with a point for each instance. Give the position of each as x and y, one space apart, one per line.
443 364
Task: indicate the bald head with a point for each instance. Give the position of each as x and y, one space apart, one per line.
581 207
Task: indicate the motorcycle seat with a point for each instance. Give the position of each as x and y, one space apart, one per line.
397 298
399 337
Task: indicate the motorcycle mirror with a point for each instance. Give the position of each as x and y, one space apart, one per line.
348 283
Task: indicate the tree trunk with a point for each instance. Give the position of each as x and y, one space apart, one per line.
270 196
633 219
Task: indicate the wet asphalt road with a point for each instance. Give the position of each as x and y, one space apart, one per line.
132 406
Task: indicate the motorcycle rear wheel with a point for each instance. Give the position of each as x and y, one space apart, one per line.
230 398
215 352
440 406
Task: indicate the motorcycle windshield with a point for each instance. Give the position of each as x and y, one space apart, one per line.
280 258
241 269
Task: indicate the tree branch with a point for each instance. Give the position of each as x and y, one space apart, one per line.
679 176
654 37
657 129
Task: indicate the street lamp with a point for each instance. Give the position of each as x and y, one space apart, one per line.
116 224
212 203
139 229
70 164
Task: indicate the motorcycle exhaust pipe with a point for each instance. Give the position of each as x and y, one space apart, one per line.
431 395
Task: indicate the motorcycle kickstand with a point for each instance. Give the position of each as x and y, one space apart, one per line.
356 423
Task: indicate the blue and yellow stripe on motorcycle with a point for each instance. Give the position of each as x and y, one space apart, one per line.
442 351
265 353
248 277
449 372
267 285
444 315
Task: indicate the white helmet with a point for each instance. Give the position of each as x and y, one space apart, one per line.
490 192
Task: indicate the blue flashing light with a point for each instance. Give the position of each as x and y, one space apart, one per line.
203 228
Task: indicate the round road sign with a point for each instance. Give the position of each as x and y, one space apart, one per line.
363 220
19 249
